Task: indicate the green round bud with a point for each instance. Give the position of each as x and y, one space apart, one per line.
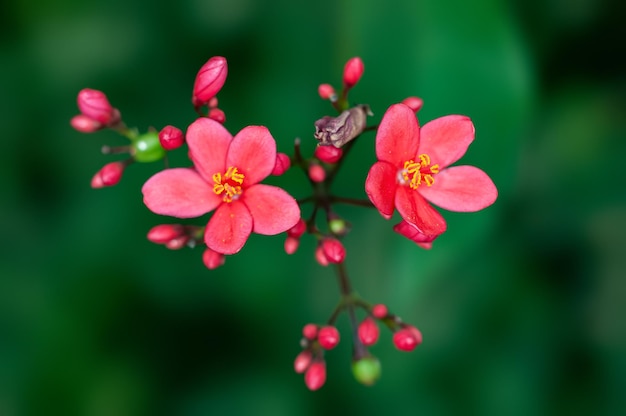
366 370
147 148
337 226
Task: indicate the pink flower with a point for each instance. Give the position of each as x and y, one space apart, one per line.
412 169
225 179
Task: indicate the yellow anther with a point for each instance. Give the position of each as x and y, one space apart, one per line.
417 172
229 184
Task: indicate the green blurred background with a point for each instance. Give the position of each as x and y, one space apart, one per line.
522 305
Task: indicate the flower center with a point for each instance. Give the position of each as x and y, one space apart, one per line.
228 184
416 173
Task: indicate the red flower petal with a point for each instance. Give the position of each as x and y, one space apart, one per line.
208 143
179 192
229 228
273 209
461 189
398 135
416 210
253 153
380 187
446 139
414 234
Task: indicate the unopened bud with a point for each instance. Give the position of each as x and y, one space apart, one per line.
95 105
337 131
298 229
338 226
283 163
302 361
327 92
315 375
352 72
380 311
209 80
212 259
316 173
368 332
333 250
162 233
366 370
109 175
217 115
328 337
328 154
291 244
147 148
414 103
177 243
320 256
309 331
85 124
171 137
407 338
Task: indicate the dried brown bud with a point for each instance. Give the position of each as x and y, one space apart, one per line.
337 131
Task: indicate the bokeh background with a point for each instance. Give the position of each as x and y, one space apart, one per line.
522 305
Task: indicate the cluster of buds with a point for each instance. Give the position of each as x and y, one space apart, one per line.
366 368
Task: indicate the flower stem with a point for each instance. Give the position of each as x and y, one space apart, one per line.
349 300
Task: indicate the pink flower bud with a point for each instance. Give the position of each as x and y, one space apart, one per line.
291 244
302 361
95 105
161 234
320 256
283 163
407 338
212 103
309 331
109 175
352 72
328 337
212 259
84 124
327 92
414 103
380 311
297 230
333 250
316 173
368 332
315 375
171 137
328 154
177 243
209 81
217 115
414 234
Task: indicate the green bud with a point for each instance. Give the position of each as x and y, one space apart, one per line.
337 226
147 148
366 370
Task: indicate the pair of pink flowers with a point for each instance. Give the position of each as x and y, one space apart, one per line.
413 168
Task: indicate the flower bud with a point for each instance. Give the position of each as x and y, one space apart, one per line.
328 154
309 331
327 92
315 375
171 137
109 175
320 256
414 103
283 163
85 124
366 370
316 173
177 243
291 244
337 131
407 338
147 148
298 229
302 361
95 105
368 332
212 259
217 115
209 81
338 226
352 72
328 337
162 233
414 234
334 251
380 311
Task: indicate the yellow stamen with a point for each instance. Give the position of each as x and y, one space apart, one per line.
416 173
229 184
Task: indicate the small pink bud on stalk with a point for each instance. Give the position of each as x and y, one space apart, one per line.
315 375
328 337
171 137
163 233
84 124
302 361
380 311
333 250
320 256
309 331
95 105
407 338
212 259
327 92
283 163
368 332
217 115
328 154
109 175
316 173
414 103
291 244
352 72
297 230
177 243
209 81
